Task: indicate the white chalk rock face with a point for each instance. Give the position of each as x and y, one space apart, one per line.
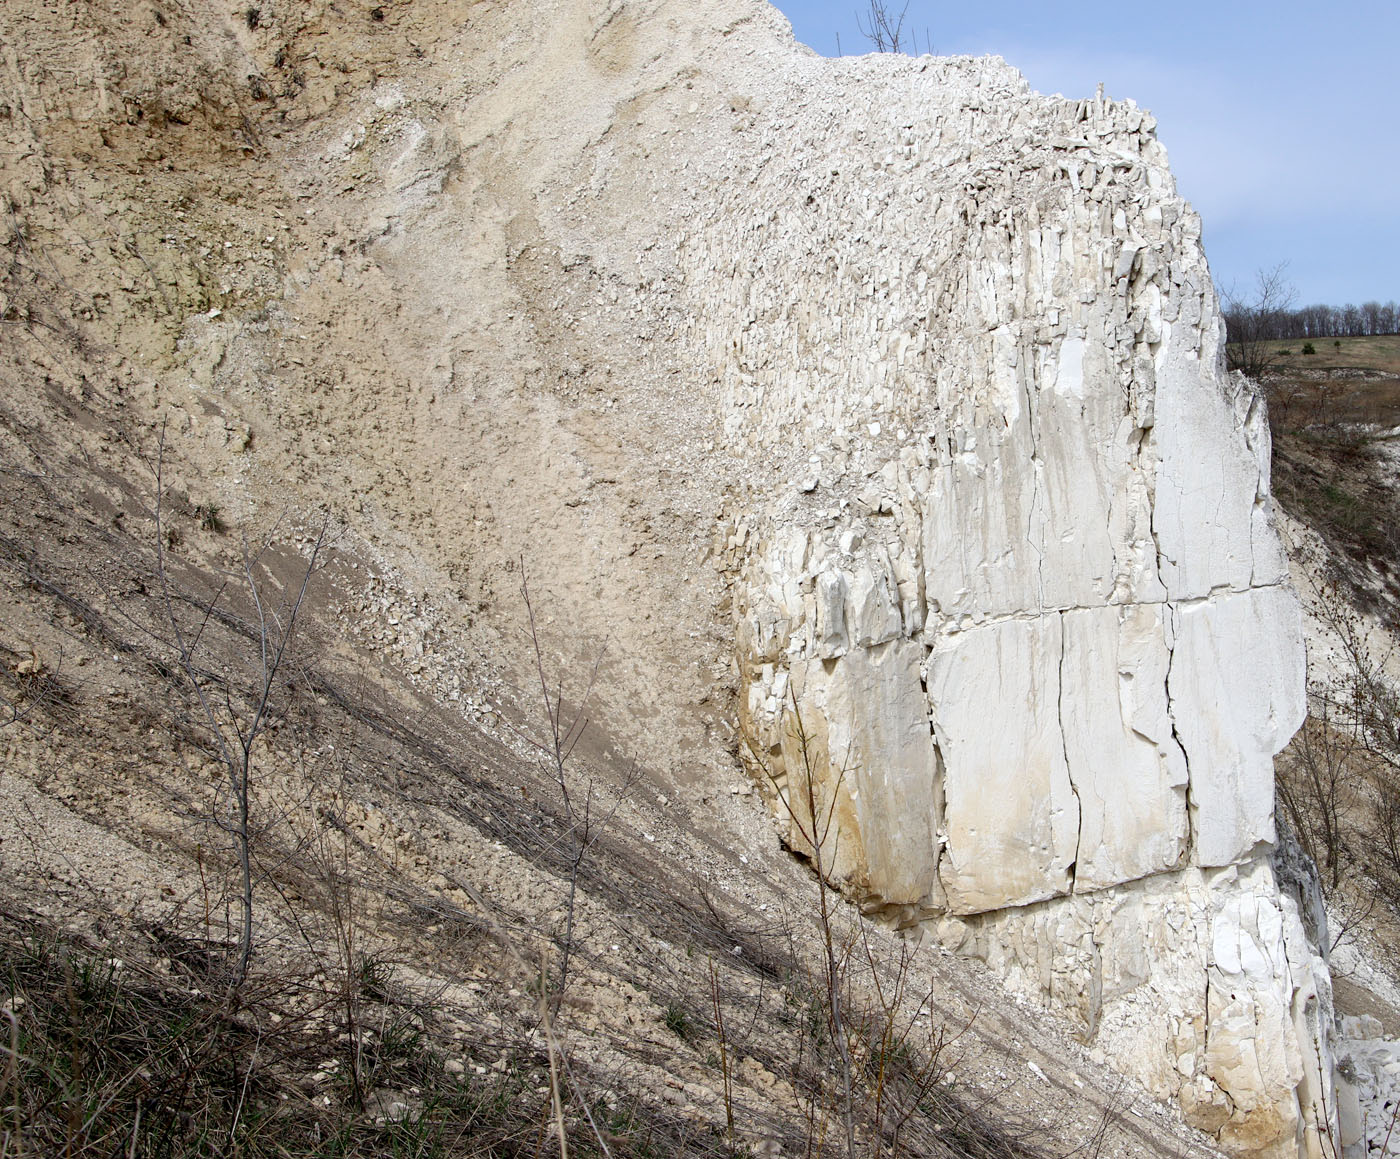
1131 773
1026 601
1011 816
873 751
1202 983
1233 710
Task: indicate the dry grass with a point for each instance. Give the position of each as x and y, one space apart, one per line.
134 1049
1346 380
1331 414
144 1056
1334 483
1379 353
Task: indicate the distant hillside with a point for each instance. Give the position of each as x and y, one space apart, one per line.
1334 407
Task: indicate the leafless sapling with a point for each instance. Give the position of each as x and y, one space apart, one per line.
232 728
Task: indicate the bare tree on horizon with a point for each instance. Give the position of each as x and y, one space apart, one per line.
883 27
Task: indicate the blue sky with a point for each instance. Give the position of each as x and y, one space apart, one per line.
1282 119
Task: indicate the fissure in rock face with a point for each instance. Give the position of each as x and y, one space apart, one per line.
1019 580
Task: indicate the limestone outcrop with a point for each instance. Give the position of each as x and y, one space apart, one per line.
1020 584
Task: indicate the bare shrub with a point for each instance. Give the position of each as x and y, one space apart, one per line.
585 817
232 727
1339 780
888 1064
1322 786
884 27
1251 321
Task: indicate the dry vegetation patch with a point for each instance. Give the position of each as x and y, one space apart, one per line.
1335 465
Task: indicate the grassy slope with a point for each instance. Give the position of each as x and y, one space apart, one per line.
1346 380
1332 413
1380 353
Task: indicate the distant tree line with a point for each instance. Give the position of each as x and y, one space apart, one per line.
1255 321
1347 321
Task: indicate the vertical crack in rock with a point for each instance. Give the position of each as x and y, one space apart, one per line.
938 826
1259 438
1064 748
1169 626
1037 467
1169 632
1149 470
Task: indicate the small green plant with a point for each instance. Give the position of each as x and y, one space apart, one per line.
677 1021
1285 350
208 516
1309 348
376 976
1337 343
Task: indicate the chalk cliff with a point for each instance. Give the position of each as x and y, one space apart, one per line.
1019 583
